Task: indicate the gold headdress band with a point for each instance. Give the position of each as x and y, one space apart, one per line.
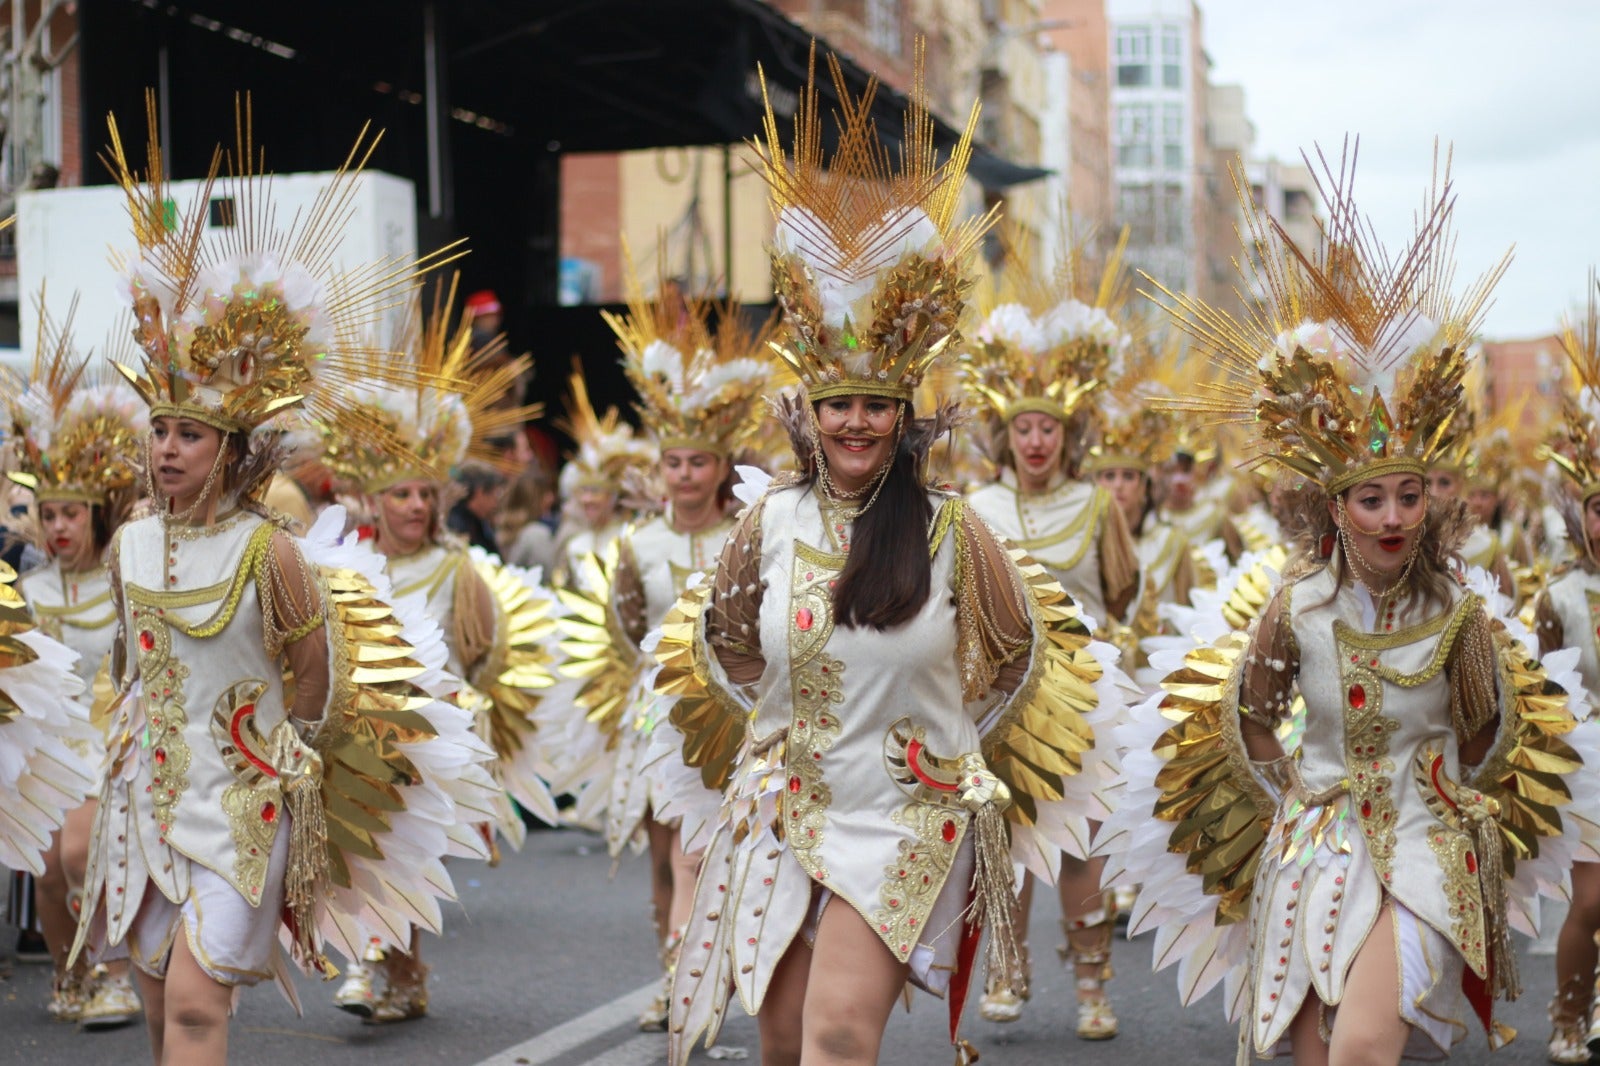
700 384
1047 343
436 426
869 264
76 438
241 323
1352 367
1577 453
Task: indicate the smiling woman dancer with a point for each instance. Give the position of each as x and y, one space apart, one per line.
1355 893
272 760
1036 368
79 449
875 656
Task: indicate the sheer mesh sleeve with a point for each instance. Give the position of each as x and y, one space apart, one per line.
733 615
472 618
1470 671
1547 625
292 622
627 592
1119 565
1271 665
995 627
123 665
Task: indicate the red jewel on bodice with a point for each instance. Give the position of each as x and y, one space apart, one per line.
1358 697
794 784
147 640
269 811
1472 863
803 619
949 832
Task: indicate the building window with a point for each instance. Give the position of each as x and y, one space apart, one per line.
1171 227
1172 154
1134 136
1171 57
1133 56
883 25
1136 209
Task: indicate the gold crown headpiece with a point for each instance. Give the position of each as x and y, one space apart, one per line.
1048 342
423 431
869 264
76 437
1352 364
1576 449
238 324
606 447
695 365
1138 430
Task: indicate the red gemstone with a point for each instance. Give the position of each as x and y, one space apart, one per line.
147 640
1472 863
1366 808
161 756
269 811
949 831
794 785
803 619
1358 697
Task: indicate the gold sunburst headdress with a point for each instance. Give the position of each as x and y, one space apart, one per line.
239 324
1351 364
1138 430
1047 343
1576 448
694 363
452 414
606 447
870 265
76 437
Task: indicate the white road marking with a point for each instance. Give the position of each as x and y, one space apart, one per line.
645 1049
553 1043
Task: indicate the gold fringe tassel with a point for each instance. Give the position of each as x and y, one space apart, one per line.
1497 931
994 892
306 880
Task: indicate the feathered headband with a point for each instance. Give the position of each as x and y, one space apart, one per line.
869 264
1352 365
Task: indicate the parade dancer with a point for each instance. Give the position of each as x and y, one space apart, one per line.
277 756
497 621
1354 896
1035 366
868 669
79 449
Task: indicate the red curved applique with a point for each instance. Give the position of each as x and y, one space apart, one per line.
914 760
1434 771
236 731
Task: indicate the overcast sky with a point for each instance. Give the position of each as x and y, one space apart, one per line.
1514 85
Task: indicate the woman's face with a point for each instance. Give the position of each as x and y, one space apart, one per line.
1591 521
182 455
1127 488
1443 484
1383 519
68 531
692 477
595 503
1483 503
1036 445
858 438
405 515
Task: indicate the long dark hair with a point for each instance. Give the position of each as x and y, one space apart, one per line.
889 574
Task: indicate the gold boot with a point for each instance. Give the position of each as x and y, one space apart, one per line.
1004 995
1569 1020
356 995
405 992
68 993
1089 946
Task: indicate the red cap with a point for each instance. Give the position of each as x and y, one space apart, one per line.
484 302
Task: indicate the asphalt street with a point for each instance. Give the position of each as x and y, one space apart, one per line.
548 960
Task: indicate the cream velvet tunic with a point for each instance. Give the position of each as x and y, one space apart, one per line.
1060 528
192 786
1387 708
655 562
77 610
433 572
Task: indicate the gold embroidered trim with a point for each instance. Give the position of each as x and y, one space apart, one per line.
1448 622
1452 849
183 598
429 584
251 568
305 629
1085 522
814 728
252 802
818 557
911 884
161 689
1368 766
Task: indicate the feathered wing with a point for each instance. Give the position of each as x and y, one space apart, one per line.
1192 821
711 722
519 669
42 729
1044 743
597 664
405 779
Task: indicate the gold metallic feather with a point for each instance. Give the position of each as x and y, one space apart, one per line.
596 650
712 724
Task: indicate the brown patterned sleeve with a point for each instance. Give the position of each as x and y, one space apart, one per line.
627 591
992 616
733 615
1547 626
1271 666
1474 691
